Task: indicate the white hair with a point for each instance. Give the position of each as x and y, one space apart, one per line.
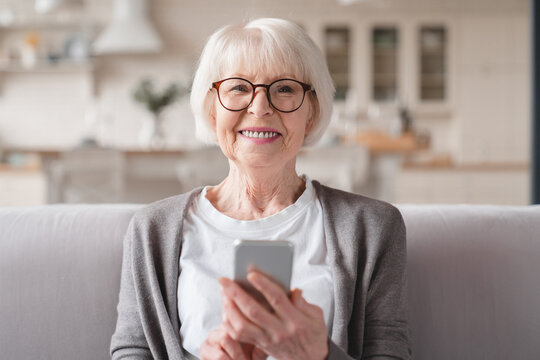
262 45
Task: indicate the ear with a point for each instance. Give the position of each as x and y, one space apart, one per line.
213 119
309 125
313 112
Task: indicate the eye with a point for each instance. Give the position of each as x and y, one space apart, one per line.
285 89
239 88
236 87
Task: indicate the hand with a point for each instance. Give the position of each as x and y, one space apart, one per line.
220 346
294 330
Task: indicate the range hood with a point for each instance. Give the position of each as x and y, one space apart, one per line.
129 32
46 6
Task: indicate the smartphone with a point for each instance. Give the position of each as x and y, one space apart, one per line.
272 257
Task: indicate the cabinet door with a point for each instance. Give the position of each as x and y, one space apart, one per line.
22 188
337 40
432 59
384 44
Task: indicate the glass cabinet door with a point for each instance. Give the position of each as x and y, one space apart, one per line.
432 52
384 63
337 40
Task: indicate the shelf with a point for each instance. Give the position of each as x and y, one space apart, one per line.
43 66
432 52
431 77
46 68
384 78
385 51
48 23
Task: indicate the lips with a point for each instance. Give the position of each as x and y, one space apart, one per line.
260 132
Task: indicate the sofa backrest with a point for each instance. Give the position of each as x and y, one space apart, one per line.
474 280
59 280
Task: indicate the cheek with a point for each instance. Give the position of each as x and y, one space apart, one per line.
296 131
224 121
227 137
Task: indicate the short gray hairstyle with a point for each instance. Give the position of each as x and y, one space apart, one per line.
258 46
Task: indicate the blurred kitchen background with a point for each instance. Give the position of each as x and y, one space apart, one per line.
432 104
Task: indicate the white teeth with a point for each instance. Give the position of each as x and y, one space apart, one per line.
260 135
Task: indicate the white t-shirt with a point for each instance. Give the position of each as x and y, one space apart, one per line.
207 254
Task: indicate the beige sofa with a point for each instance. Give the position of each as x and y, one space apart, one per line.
474 281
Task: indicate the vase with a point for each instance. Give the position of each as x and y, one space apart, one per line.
152 134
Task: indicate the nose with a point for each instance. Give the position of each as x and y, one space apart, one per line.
260 106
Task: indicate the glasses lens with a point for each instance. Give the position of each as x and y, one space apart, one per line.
235 94
286 95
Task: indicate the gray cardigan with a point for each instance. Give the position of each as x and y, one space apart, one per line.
366 246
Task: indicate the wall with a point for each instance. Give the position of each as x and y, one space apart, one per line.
487 119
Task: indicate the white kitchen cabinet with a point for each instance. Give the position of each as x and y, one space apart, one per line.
389 61
473 185
22 188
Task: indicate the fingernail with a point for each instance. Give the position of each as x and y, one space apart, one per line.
223 282
253 274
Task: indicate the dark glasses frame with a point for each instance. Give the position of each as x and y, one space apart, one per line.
306 87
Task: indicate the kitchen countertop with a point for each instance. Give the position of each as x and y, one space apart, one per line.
11 169
57 152
380 143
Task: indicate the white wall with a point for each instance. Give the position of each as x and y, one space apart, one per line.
488 119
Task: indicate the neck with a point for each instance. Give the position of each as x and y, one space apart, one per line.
254 193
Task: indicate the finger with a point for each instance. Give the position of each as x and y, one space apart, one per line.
299 301
308 309
218 353
258 354
239 327
248 306
214 336
274 294
232 348
212 350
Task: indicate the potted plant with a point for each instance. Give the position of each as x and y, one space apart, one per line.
152 134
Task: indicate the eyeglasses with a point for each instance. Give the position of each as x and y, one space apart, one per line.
285 95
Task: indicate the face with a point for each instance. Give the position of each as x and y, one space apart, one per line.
285 131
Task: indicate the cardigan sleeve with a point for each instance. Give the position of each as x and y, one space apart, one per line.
128 340
378 327
386 329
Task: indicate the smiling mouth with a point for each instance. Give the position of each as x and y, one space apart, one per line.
259 134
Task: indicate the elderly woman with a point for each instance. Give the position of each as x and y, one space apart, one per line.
262 91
